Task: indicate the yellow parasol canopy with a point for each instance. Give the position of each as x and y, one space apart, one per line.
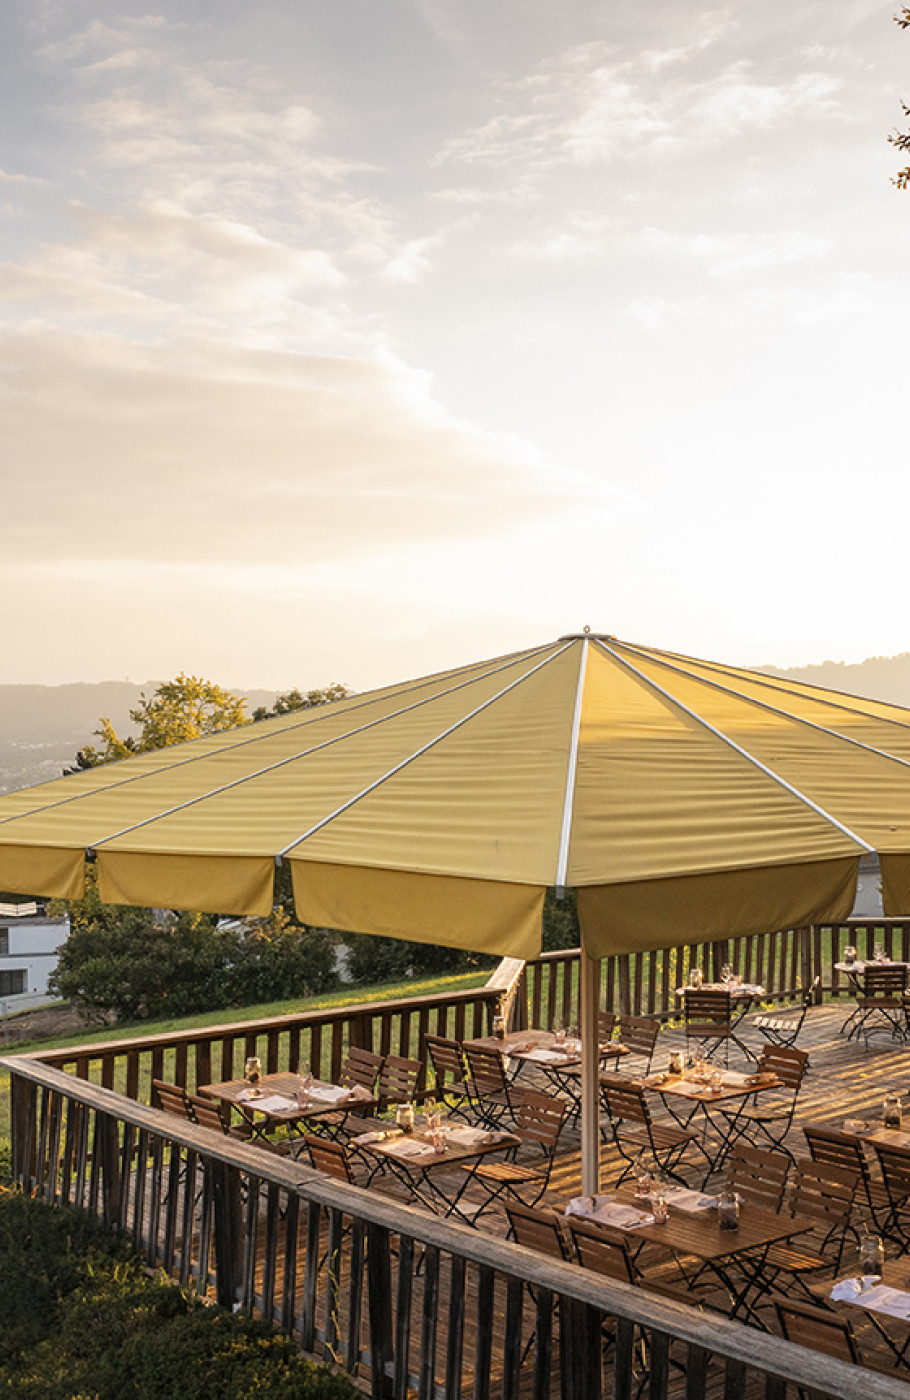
682 799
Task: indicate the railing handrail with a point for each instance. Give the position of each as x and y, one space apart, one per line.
288 1021
719 1335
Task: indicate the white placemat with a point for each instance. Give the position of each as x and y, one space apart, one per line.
609 1212
269 1103
878 1298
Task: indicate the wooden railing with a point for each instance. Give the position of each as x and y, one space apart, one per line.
645 984
403 1301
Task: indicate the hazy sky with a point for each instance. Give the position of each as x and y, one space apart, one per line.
351 339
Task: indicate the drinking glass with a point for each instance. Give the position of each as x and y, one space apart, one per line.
871 1255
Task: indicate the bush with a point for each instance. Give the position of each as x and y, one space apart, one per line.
372 959
127 963
82 1319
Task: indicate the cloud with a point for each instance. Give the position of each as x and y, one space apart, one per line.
225 456
592 105
733 254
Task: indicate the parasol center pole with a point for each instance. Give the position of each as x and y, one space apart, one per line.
589 998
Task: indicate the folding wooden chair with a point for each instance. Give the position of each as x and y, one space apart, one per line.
491 1084
537 1229
635 1131
784 1029
845 1150
708 1020
452 1085
894 1165
823 1193
537 1122
818 1329
169 1098
767 1121
639 1035
399 1080
758 1178
880 1006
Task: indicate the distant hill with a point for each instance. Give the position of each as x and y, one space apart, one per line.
876 678
42 726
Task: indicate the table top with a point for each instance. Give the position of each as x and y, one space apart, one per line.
861 965
462 1144
736 989
733 1086
537 1046
284 1086
699 1233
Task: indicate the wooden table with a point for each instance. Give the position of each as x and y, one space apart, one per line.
420 1174
677 1090
734 1257
893 1328
236 1093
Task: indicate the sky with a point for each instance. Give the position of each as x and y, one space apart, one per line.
349 340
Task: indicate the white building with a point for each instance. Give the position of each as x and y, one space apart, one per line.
28 955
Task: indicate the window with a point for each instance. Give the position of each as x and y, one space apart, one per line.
13 983
4 940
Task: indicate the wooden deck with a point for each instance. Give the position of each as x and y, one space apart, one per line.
846 1080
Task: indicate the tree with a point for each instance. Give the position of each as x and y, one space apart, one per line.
297 700
186 708
901 139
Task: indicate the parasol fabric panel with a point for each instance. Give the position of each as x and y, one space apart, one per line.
682 798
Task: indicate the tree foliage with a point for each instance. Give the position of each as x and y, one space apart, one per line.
131 963
186 708
296 699
901 139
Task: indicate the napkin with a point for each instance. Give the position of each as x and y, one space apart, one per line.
877 1297
550 1057
329 1093
469 1137
269 1103
685 1199
734 1080
410 1147
608 1212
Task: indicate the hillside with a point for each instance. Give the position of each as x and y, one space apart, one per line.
42 726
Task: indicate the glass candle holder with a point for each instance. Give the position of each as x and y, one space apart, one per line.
892 1113
252 1071
728 1211
404 1117
659 1208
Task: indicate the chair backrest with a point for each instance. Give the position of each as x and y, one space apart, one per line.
398 1079
487 1070
330 1157
810 995
882 980
824 1192
837 1148
894 1163
818 1329
596 1249
538 1118
624 1100
363 1067
537 1229
639 1034
169 1098
206 1113
788 1063
706 1008
447 1060
759 1177
606 1024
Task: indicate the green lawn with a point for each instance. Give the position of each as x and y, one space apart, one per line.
384 992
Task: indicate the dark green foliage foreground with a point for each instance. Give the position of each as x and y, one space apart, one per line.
82 1320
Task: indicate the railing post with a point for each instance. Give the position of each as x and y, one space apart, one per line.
228 1231
23 1130
589 997
379 1291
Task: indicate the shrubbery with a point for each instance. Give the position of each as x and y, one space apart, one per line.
82 1318
125 962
